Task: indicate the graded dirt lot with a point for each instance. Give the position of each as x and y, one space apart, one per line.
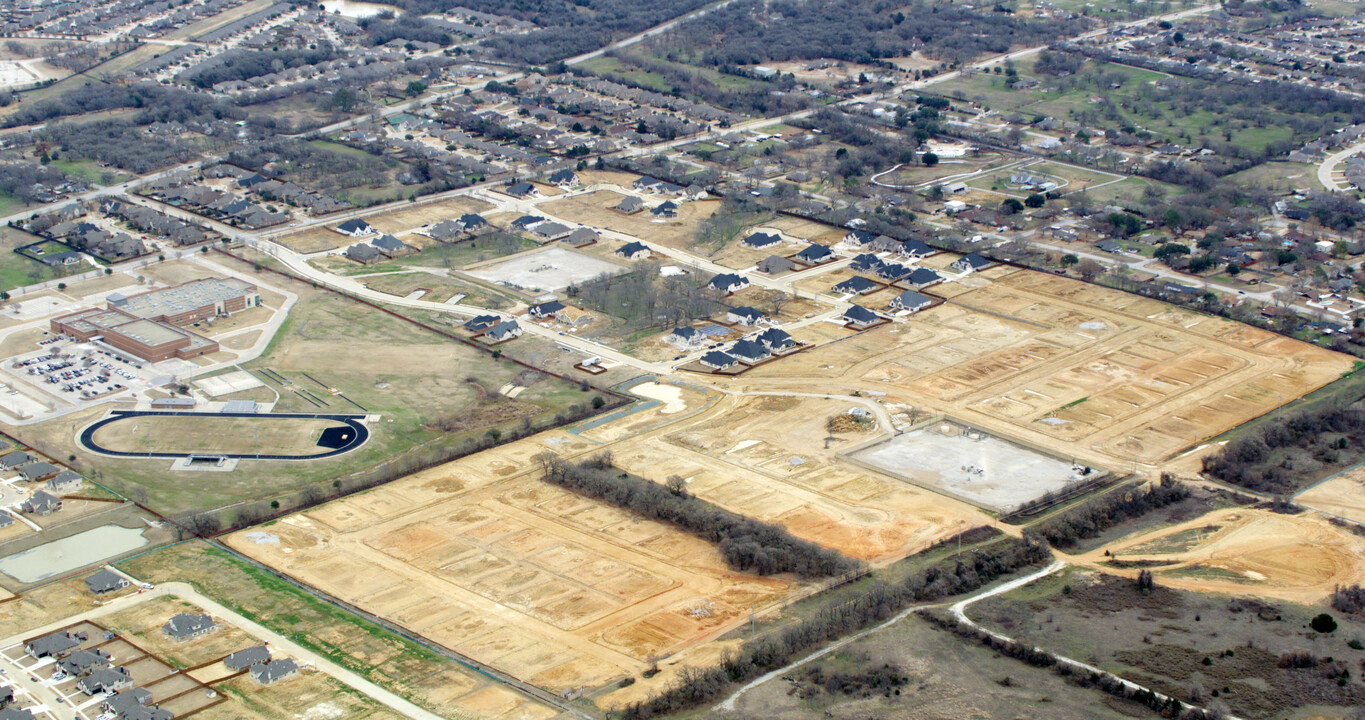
1342 495
1242 551
1089 372
210 434
564 591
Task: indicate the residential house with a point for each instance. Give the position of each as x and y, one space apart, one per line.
814 254
363 253
390 246
80 662
505 330
564 179
582 237
744 315
718 360
526 221
573 317
106 581
105 680
915 249
971 263
760 240
728 283
481 322
630 205
857 285
859 317
910 300
121 703
188 625
41 503
856 239
668 209
15 459
446 231
34 472
634 251
545 310
551 231
774 264
522 190
685 338
470 222
885 243
356 228
273 671
776 340
56 644
243 659
922 278
16 713
894 272
749 352
866 262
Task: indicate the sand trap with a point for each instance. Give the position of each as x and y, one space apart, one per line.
669 395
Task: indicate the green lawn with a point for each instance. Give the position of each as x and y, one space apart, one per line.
90 171
15 269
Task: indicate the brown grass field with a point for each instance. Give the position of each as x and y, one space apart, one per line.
212 434
595 209
1342 494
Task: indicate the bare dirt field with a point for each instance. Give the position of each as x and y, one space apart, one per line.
1087 371
1241 551
1342 495
565 591
214 434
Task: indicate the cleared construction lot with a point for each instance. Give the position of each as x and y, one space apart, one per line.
1082 370
567 592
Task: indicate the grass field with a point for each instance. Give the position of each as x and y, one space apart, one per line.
1137 102
15 269
413 671
209 434
1173 640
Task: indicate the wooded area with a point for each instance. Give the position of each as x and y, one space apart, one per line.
1284 455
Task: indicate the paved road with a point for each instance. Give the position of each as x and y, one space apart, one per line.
1329 166
281 645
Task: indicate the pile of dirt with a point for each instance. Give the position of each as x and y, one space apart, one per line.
848 423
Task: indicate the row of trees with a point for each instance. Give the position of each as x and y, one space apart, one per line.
1090 519
244 64
881 600
746 544
1283 454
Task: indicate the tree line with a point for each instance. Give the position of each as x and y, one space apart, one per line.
643 298
837 618
1091 518
745 543
1283 454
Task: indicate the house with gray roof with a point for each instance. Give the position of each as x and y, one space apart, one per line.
776 340
121 702
15 459
505 330
971 263
188 625
634 251
857 285
363 253
728 283
243 659
760 240
745 315
141 712
922 278
54 645
41 503
106 581
859 317
910 300
13 713
774 264
391 246
105 680
65 481
34 472
630 205
82 661
814 254
274 671
749 352
718 360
